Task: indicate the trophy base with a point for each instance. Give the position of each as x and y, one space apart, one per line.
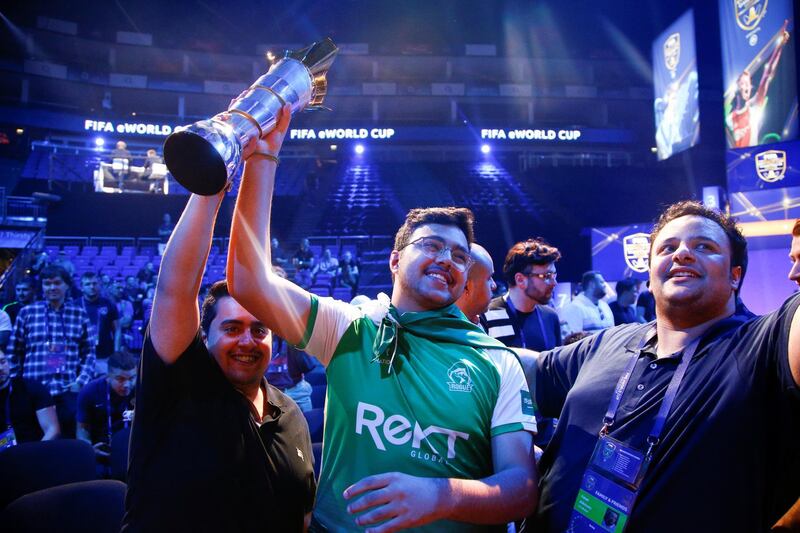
195 163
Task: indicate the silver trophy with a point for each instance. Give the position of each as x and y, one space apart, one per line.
204 156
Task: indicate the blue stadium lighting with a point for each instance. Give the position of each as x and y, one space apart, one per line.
99 142
485 148
359 149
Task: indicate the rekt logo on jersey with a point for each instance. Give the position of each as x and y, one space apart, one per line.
397 430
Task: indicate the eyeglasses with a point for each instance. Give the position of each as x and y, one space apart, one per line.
434 248
547 277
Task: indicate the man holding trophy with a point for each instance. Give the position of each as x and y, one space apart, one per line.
212 443
438 436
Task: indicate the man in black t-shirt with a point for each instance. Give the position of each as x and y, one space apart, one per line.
32 410
212 444
105 405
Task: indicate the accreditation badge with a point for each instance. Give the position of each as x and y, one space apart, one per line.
609 488
7 439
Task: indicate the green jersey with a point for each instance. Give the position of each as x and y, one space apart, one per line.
427 408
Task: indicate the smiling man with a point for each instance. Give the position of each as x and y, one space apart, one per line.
428 420
212 442
53 344
707 397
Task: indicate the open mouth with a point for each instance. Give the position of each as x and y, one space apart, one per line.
246 358
684 274
440 276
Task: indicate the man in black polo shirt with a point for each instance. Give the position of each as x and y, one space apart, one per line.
726 459
30 407
213 446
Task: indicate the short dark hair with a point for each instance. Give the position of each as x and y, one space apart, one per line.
460 217
25 280
626 285
55 271
535 251
209 308
588 277
122 360
88 275
796 228
727 223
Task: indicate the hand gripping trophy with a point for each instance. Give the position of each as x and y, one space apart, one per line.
204 156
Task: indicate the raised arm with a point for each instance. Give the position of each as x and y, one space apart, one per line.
280 304
175 317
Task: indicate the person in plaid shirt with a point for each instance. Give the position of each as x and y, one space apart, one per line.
52 343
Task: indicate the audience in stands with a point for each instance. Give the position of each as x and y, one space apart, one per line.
327 265
64 262
148 273
52 343
135 294
587 311
164 231
278 255
105 404
30 407
348 272
624 307
104 317
286 372
25 294
42 261
303 261
124 309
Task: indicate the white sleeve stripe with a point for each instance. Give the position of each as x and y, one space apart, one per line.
513 391
501 331
496 314
333 319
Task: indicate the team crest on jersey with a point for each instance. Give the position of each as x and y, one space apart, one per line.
749 13
636 247
672 52
771 165
458 377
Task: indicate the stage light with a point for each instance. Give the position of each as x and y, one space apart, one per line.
270 56
485 148
359 149
333 147
99 142
20 131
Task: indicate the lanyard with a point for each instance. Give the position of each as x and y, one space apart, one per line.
8 406
669 397
513 312
60 314
108 413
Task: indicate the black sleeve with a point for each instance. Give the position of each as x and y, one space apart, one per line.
160 383
556 371
767 338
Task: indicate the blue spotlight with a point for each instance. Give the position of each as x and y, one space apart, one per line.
485 148
99 142
359 149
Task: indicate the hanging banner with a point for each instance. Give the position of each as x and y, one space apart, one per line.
759 64
676 88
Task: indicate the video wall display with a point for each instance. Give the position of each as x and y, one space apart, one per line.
759 70
676 88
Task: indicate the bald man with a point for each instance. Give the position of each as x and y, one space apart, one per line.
480 285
